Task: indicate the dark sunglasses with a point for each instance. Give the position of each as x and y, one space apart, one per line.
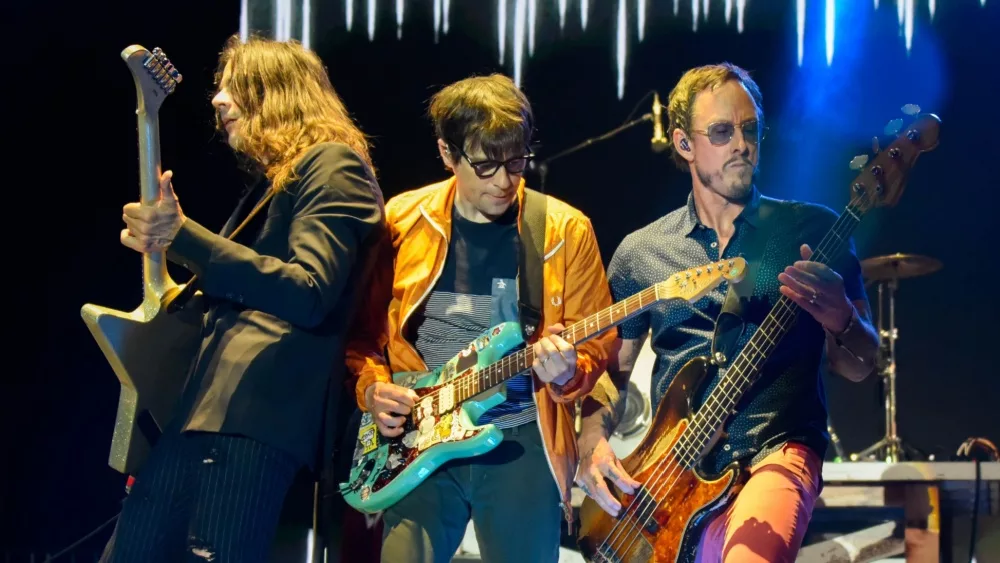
485 169
719 134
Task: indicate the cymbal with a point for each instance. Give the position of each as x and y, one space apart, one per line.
898 266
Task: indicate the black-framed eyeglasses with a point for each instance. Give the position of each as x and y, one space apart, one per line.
719 134
485 169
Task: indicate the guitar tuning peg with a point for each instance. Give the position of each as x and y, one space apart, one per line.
875 147
859 162
893 126
911 109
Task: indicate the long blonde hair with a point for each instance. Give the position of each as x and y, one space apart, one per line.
288 105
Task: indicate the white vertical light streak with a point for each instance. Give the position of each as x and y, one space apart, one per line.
694 15
349 13
622 35
371 19
641 17
909 25
519 22
831 29
306 23
583 14
437 21
741 8
931 5
800 26
901 11
502 26
244 21
531 23
704 9
676 7
399 18
729 11
310 543
876 4
562 14
447 10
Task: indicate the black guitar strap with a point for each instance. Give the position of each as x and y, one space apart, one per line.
531 250
731 322
176 300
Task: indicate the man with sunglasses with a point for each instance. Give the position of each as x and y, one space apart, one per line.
779 427
454 270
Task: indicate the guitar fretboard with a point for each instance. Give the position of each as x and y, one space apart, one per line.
745 369
472 384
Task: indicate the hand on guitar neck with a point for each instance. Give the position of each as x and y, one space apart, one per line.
151 228
555 362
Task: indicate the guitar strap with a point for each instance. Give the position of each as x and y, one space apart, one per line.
531 250
732 319
177 299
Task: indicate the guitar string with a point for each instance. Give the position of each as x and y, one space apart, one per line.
472 382
683 447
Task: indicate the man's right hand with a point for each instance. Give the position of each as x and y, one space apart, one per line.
598 461
384 400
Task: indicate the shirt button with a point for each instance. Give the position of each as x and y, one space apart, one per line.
726 447
714 244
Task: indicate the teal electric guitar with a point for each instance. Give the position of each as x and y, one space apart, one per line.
442 425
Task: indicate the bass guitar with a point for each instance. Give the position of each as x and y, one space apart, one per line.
663 520
442 425
148 348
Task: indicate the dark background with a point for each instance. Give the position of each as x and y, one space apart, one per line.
73 164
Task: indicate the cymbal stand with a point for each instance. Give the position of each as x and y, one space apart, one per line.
891 447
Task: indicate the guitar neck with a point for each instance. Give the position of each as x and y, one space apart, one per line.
154 264
745 369
470 385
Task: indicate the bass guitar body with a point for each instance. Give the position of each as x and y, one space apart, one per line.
662 522
385 469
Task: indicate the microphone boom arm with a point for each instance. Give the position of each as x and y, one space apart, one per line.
543 166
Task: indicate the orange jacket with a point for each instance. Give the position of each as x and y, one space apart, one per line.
575 286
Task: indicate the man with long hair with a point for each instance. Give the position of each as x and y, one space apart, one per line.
454 273
778 430
279 299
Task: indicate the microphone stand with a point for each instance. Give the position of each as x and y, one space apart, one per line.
543 166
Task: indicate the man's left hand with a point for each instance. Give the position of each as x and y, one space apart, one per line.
151 228
819 290
555 359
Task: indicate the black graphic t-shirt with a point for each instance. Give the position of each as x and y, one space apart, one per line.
477 290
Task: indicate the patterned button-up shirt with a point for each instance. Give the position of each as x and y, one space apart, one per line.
788 401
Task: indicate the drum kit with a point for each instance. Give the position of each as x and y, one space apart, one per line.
886 271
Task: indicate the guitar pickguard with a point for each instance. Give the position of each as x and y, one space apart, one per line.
378 461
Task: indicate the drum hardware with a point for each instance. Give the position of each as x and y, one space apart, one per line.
886 271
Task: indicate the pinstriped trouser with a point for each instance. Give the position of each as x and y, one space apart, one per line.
203 497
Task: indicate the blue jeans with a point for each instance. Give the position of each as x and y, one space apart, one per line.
509 494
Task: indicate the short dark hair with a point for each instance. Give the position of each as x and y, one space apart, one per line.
693 82
486 112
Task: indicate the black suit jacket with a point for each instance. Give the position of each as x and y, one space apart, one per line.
272 359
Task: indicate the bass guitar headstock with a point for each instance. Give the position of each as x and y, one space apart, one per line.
154 75
882 181
694 283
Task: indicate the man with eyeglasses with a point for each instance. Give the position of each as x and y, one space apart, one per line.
454 270
779 427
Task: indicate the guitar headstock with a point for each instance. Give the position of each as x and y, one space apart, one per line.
882 181
154 75
694 283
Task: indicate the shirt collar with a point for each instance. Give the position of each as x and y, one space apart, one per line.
750 213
